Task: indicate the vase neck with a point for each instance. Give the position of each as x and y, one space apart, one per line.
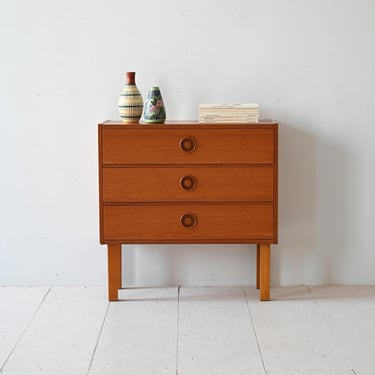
130 78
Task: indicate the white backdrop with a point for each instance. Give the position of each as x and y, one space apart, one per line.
309 64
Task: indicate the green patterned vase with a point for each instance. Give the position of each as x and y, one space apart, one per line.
154 108
130 103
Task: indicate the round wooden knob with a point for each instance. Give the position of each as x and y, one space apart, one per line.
188 182
189 220
188 144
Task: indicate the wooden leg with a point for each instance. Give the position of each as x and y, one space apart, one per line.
264 271
114 271
258 267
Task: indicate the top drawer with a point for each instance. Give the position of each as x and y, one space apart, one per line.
158 146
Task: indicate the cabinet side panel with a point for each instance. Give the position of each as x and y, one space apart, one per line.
100 175
276 183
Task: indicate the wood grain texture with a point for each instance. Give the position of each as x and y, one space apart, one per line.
276 184
100 176
163 184
185 182
129 146
258 267
264 272
162 222
114 271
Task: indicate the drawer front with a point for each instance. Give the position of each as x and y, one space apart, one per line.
158 146
188 223
171 184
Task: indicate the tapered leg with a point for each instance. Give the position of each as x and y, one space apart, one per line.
264 271
114 271
258 267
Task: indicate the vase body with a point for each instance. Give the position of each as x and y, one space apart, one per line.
154 111
130 103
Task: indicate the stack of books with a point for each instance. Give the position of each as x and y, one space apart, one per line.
229 113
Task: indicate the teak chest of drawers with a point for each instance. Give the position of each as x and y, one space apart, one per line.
188 183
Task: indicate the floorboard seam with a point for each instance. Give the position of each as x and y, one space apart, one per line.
97 340
24 331
328 325
255 334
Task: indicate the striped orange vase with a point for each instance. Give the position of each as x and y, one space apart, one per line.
130 103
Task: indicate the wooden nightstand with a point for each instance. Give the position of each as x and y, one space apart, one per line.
188 183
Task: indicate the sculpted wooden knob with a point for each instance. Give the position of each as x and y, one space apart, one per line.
188 182
188 220
188 144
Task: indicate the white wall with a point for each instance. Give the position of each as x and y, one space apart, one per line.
309 64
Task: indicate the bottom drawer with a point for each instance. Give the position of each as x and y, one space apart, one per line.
188 223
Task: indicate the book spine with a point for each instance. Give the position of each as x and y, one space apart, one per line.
227 121
234 105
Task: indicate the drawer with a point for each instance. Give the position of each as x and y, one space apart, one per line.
157 146
194 183
190 223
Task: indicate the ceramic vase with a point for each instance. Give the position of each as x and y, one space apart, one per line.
154 111
130 103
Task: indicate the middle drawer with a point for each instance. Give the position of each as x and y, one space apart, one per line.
187 184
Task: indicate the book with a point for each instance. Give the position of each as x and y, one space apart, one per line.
235 112
228 105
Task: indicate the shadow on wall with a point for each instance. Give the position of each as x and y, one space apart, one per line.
317 209
297 205
198 265
340 221
149 265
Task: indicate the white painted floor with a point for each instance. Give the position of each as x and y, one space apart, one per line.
187 331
